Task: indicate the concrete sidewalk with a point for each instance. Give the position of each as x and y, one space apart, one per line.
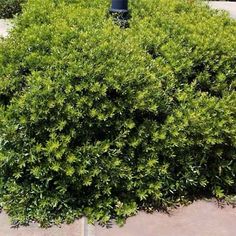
198 219
76 229
5 26
227 6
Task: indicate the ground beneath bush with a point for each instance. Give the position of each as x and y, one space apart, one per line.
5 25
201 218
198 219
227 6
76 229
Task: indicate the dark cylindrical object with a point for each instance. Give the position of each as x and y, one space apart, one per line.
119 6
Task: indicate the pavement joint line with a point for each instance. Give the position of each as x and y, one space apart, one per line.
87 229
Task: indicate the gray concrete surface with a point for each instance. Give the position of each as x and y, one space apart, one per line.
5 26
76 229
89 230
198 219
227 6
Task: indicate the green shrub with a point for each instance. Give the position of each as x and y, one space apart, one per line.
101 121
8 8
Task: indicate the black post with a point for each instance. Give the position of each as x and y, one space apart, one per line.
121 14
119 6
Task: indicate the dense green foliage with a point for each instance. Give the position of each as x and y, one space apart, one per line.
100 121
8 8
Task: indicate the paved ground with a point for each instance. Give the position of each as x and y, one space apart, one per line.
76 229
198 219
5 25
227 6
